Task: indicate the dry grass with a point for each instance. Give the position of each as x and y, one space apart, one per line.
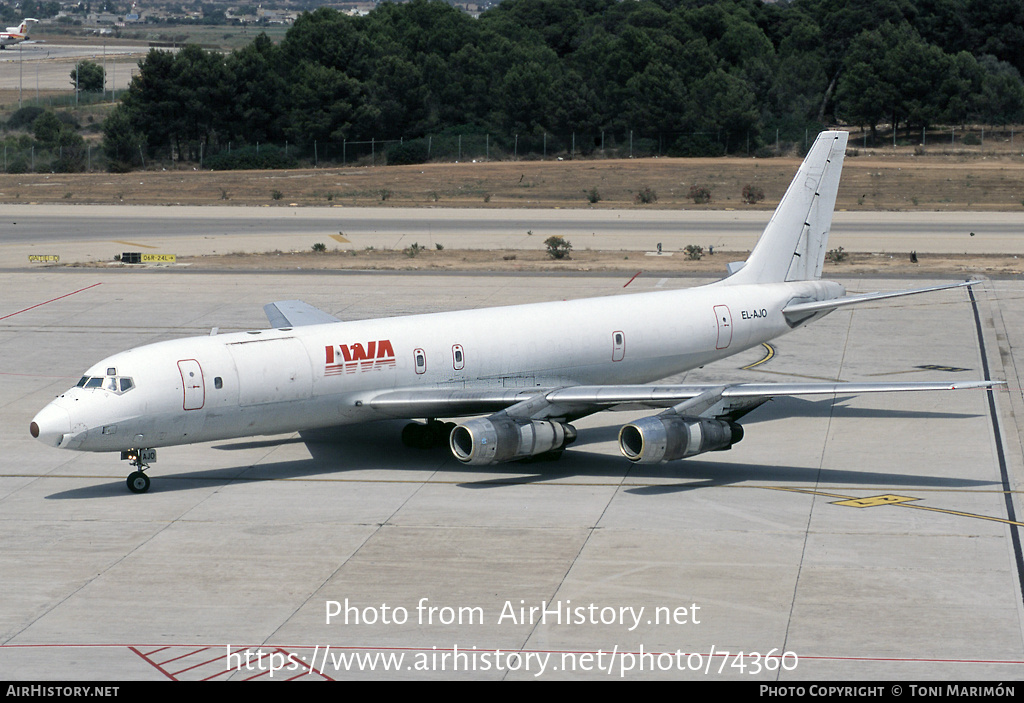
902 182
626 263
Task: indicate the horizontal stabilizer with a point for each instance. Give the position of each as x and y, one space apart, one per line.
801 311
295 313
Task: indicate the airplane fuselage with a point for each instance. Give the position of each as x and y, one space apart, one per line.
283 380
15 35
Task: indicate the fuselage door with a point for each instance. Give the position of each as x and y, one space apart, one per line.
724 319
192 382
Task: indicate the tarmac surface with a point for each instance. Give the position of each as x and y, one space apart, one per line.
855 537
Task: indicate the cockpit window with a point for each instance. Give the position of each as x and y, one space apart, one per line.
114 384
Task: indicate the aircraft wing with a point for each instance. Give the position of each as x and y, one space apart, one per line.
295 313
582 400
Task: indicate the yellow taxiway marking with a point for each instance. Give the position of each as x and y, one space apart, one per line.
872 501
769 353
133 244
890 499
339 238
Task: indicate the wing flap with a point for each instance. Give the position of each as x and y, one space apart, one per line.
581 400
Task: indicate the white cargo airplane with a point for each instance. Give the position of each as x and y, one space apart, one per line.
16 35
535 368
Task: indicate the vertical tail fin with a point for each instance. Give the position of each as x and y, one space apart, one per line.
792 247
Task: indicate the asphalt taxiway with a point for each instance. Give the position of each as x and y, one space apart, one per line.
48 67
855 537
90 233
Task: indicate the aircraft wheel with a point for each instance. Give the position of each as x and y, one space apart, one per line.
413 435
138 482
426 436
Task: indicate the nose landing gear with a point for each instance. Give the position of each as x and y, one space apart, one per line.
138 481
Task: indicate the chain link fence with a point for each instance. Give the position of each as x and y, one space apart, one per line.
23 154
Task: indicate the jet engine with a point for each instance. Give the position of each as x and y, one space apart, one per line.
500 438
667 437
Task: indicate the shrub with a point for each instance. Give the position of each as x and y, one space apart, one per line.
249 157
593 196
752 194
413 151
319 247
696 145
646 196
18 165
23 118
558 247
694 252
836 255
700 194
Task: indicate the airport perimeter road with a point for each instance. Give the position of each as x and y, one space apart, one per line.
849 537
96 233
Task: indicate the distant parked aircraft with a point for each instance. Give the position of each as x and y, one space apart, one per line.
16 35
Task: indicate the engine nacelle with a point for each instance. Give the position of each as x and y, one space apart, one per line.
495 439
669 437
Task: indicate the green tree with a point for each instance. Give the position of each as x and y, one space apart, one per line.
88 76
183 100
558 247
331 39
70 152
524 97
122 144
1001 98
259 104
47 129
326 105
891 73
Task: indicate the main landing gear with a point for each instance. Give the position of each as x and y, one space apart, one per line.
138 481
427 436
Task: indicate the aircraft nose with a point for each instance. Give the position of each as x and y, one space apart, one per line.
50 425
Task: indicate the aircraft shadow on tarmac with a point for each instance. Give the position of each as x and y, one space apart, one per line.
779 408
376 447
